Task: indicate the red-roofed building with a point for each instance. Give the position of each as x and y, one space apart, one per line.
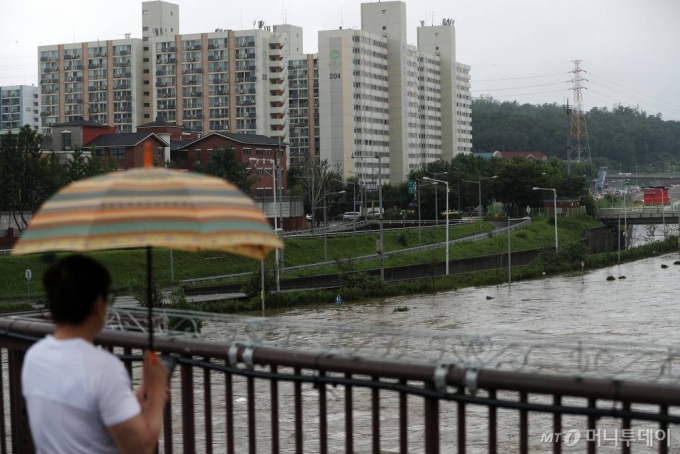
538 155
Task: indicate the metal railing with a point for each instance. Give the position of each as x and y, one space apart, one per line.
363 258
259 391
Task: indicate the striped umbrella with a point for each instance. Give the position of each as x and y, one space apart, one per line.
150 207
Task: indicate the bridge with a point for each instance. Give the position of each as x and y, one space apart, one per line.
636 215
646 179
262 389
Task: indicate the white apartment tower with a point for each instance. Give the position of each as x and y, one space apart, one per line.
422 118
19 106
99 80
463 108
354 105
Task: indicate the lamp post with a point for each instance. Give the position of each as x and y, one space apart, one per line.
458 187
380 210
325 224
274 171
436 196
479 206
447 218
509 257
555 208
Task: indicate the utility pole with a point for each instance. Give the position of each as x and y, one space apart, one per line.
380 208
567 110
578 129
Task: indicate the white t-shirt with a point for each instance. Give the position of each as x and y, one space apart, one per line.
73 392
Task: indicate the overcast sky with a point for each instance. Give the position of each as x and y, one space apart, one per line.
630 48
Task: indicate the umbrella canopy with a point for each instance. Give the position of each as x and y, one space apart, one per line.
150 207
154 207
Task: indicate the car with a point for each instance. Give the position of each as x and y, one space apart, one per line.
351 216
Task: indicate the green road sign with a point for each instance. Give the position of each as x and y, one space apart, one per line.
411 187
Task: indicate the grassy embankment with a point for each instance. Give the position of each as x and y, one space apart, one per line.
130 265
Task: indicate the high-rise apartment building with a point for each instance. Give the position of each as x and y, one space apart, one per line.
394 105
367 99
19 106
99 80
463 108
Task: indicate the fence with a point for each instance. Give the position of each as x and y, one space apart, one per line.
475 397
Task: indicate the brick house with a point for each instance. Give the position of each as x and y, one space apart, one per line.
128 148
261 152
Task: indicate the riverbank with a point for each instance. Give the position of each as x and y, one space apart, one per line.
359 286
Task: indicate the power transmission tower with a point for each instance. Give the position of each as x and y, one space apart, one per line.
578 130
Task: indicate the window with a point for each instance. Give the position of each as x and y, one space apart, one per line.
146 82
145 29
146 38
160 152
384 27
147 116
246 151
117 153
146 60
198 155
66 140
146 93
100 152
145 12
146 71
146 104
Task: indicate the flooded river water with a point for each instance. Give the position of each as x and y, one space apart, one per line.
547 317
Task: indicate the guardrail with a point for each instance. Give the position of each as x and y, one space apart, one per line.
364 258
244 394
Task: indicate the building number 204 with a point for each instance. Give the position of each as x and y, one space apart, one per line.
335 76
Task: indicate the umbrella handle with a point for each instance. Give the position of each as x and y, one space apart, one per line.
149 295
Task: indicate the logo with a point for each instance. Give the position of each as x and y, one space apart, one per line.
572 437
335 54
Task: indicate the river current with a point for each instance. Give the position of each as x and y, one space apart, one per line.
547 317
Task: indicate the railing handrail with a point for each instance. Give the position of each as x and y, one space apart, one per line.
585 387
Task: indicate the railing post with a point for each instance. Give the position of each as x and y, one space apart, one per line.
188 423
431 423
21 432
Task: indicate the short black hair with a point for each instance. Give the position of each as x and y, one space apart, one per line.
72 286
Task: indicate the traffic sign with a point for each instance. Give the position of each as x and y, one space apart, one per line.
411 187
29 275
528 209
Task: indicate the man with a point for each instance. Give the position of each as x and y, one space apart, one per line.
79 397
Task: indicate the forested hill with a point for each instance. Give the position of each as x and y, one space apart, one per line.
624 135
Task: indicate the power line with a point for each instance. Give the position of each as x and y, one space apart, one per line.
516 78
637 98
618 100
523 94
630 89
521 88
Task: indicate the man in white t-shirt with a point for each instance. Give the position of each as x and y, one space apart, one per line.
79 397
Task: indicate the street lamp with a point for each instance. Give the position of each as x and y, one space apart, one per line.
275 169
479 183
325 224
555 208
509 258
436 197
447 218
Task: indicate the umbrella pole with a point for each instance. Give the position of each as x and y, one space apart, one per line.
149 295
262 282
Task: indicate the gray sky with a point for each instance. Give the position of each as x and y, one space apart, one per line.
630 48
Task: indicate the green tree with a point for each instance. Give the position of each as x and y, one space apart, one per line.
25 175
76 167
223 163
